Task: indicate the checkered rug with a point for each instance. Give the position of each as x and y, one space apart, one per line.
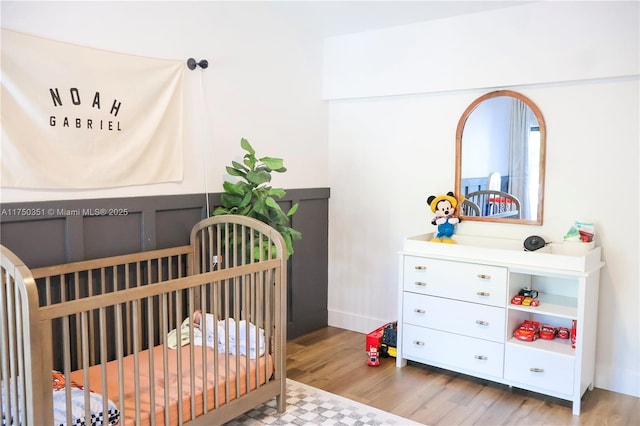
308 406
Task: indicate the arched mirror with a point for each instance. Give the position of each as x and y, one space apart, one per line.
500 159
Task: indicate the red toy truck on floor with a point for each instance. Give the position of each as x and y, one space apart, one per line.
384 340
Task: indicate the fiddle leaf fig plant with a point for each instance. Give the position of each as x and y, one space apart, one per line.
252 195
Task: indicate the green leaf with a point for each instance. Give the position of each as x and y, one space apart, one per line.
247 146
220 211
246 200
234 188
235 172
276 213
259 207
258 178
239 166
277 192
250 161
288 243
293 209
272 203
245 210
230 200
273 163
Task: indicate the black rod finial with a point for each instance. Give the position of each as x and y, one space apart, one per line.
191 63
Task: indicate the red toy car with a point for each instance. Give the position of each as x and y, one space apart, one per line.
563 333
547 332
517 300
528 331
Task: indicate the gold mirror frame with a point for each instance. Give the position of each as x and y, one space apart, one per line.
543 143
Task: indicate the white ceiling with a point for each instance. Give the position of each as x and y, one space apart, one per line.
330 18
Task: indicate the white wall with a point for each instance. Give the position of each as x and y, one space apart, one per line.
395 104
264 82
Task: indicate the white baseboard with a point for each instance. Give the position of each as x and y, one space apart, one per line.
629 383
357 323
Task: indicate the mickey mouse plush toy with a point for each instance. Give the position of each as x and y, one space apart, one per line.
444 206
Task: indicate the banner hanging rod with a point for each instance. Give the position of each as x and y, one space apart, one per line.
191 63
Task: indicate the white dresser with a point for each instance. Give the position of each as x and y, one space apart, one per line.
455 311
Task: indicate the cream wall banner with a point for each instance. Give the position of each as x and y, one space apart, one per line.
78 118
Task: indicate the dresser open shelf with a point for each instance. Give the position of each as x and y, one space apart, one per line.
455 311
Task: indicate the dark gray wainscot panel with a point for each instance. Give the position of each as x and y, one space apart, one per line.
53 232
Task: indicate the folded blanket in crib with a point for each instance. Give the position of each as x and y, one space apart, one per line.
243 327
255 346
79 415
182 334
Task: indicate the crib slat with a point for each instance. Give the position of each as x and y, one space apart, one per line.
261 323
216 301
67 364
11 384
165 353
205 332
87 355
203 255
128 334
48 290
179 357
20 325
150 345
135 311
192 380
158 272
269 291
4 344
226 339
119 356
244 314
103 359
92 342
235 313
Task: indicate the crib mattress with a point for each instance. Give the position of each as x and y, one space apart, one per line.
165 388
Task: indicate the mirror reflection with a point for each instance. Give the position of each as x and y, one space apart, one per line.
500 150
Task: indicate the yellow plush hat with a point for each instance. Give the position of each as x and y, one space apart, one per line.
433 202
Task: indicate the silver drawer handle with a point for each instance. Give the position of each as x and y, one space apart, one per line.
480 322
419 311
418 343
536 370
483 293
420 268
420 283
481 357
484 276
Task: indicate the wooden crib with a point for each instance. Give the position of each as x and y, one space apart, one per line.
116 338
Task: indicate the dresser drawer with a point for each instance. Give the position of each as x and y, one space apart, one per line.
458 352
456 280
542 371
470 319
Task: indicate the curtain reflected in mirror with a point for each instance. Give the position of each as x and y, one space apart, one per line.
500 146
522 147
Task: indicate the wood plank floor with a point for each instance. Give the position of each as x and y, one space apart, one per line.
334 360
